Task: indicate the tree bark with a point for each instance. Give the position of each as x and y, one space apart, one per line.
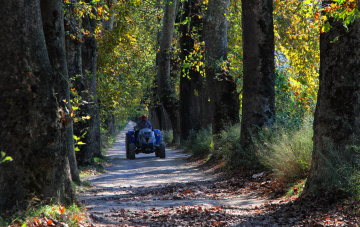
53 23
167 95
190 79
73 57
92 147
32 130
336 120
258 104
224 99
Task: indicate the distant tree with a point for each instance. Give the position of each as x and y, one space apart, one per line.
258 103
224 98
33 127
336 120
166 93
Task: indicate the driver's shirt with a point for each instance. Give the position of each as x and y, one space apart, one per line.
145 124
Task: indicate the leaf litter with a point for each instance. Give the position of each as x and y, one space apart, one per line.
276 211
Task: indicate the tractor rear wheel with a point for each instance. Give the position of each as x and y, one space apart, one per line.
132 148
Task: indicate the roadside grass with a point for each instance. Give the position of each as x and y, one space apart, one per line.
39 214
199 143
286 152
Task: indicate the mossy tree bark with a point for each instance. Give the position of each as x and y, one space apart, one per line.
258 103
32 129
336 120
224 98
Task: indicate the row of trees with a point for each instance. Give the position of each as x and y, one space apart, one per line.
108 71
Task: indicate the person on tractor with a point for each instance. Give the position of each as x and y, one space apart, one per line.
144 123
141 125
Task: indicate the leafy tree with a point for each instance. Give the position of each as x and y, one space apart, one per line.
33 125
336 121
258 103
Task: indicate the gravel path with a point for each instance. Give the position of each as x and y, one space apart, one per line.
149 184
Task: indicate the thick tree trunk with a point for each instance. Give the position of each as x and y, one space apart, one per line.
190 80
167 95
224 99
258 104
32 130
336 121
53 23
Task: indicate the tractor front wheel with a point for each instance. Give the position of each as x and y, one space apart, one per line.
162 150
127 145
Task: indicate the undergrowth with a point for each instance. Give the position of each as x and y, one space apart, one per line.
48 215
199 143
287 152
168 136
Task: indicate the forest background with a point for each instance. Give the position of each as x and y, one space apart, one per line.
114 55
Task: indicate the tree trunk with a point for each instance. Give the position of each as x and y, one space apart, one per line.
53 23
336 120
258 104
190 79
32 130
167 95
73 57
224 99
91 148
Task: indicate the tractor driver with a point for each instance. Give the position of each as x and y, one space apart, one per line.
144 123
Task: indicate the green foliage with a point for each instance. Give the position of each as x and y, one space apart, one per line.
296 188
167 136
4 158
126 59
286 152
40 214
227 145
292 101
199 143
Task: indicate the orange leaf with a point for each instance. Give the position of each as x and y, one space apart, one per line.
188 191
61 209
50 223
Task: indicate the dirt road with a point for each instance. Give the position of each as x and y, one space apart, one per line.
148 186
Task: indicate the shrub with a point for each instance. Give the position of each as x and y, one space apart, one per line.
227 145
168 136
286 152
199 143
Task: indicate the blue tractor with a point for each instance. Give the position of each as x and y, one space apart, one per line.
144 141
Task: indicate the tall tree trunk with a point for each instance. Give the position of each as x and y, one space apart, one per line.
91 148
336 121
32 131
73 57
167 95
258 104
53 23
190 80
224 99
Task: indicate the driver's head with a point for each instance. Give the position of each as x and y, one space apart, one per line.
143 118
